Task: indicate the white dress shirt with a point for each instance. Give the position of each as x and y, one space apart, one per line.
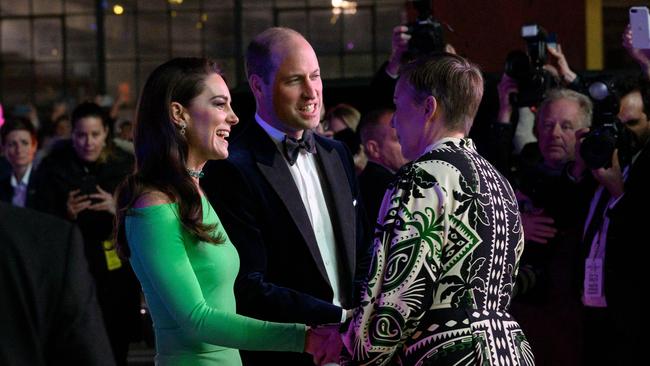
306 175
20 188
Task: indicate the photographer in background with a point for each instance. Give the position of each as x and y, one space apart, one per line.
421 35
527 77
553 206
385 158
616 241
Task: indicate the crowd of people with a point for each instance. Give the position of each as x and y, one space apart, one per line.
395 235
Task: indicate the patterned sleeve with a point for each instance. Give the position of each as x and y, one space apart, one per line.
406 264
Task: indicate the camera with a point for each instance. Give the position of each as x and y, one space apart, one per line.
608 132
527 68
427 35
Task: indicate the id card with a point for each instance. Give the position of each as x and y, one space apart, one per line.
593 285
113 261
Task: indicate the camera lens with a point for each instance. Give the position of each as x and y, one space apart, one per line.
598 91
598 146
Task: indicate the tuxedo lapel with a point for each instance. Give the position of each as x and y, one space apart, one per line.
343 210
274 168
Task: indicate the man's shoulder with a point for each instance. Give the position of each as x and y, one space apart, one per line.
18 215
26 225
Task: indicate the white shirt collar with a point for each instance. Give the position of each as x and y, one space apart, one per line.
24 181
276 135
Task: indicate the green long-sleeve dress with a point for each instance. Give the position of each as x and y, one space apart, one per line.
188 286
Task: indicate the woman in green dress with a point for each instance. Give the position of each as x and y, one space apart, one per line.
173 238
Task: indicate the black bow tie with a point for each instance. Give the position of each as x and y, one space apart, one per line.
292 146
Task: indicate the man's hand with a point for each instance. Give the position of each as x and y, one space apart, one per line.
506 87
579 166
400 43
538 227
611 178
559 63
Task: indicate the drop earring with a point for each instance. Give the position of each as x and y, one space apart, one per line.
183 126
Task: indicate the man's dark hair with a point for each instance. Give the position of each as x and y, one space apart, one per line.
369 122
15 124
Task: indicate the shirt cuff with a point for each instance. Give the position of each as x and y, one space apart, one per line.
344 315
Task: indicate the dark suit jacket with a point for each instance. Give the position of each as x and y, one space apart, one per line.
626 259
282 276
48 308
7 191
373 181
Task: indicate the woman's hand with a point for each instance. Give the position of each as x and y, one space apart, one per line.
76 203
103 201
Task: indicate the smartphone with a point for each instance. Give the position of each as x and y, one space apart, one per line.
640 25
88 185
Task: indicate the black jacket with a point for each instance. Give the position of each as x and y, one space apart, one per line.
48 309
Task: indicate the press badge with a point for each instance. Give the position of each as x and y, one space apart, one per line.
113 261
593 285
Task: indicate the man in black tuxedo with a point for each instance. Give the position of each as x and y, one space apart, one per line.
385 157
48 309
288 198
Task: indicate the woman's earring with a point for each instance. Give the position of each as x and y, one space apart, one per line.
183 126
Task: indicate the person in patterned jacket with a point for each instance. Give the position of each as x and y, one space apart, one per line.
446 257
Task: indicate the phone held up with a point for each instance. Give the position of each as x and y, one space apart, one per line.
640 25
88 185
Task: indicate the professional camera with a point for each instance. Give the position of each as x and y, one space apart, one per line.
607 131
426 32
527 68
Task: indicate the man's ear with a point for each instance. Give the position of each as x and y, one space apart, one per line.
179 114
372 149
430 107
255 83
